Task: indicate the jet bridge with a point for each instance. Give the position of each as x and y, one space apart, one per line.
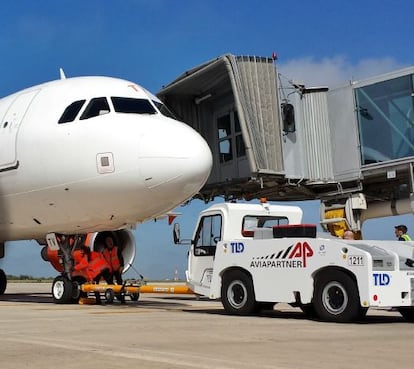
263 145
352 147
233 102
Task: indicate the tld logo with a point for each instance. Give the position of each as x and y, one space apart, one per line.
381 279
237 247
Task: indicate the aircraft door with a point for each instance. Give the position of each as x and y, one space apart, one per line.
202 251
9 127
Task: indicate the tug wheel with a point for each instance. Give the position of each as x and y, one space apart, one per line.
336 297
237 293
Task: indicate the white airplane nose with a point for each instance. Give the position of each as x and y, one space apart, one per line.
180 161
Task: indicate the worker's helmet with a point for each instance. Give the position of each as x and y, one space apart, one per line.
402 228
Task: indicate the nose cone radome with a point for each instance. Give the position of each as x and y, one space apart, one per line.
175 161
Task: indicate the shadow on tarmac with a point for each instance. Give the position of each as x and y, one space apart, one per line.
299 315
174 303
40 298
46 298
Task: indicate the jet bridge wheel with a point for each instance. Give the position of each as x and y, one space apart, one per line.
336 297
62 290
237 293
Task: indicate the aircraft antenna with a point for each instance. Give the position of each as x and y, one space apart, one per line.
62 73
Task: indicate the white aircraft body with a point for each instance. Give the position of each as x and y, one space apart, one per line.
91 154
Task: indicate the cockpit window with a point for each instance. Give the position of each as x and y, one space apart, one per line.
97 106
132 106
163 109
71 112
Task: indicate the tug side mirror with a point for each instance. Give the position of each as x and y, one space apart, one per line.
176 233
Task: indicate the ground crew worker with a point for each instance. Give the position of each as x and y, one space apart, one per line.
401 233
114 258
98 268
93 266
81 262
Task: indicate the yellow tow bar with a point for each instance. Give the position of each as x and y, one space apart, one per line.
111 290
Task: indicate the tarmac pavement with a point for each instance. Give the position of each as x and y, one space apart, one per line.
177 332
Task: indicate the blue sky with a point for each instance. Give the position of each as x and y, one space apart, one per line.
151 42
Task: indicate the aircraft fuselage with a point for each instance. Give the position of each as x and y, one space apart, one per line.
89 154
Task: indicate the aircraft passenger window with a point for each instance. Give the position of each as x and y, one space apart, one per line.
132 106
97 106
71 112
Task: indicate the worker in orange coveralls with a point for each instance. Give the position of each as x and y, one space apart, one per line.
113 256
93 266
